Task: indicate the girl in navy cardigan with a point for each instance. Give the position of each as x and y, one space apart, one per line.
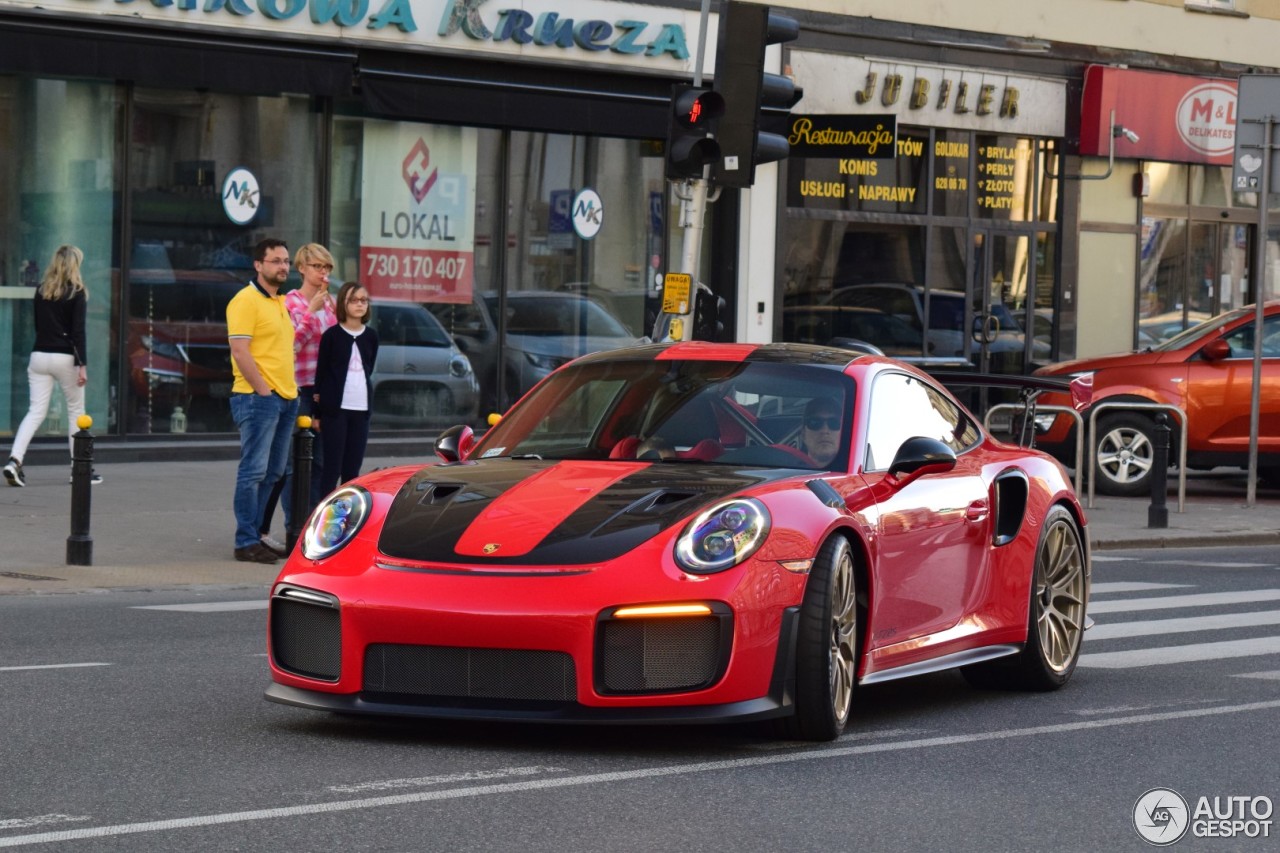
344 390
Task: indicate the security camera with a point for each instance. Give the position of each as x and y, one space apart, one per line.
1127 134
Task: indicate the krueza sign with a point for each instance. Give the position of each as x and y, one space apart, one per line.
1259 100
417 216
578 31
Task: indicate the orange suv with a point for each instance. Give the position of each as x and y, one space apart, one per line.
1207 371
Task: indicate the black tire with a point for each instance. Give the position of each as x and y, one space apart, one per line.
1056 615
827 645
1124 454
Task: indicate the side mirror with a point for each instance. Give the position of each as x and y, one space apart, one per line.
455 443
1216 350
919 456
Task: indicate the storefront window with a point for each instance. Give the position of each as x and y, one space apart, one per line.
58 183
525 250
1006 187
188 256
577 274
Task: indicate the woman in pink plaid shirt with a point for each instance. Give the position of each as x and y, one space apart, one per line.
311 307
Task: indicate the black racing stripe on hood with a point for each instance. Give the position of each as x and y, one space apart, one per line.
438 504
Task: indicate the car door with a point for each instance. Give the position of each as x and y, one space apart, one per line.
933 533
1219 395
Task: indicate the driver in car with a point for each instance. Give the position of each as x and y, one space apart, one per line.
820 430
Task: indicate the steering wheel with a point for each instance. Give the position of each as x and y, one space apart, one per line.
654 447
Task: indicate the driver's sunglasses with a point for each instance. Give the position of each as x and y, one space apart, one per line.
815 423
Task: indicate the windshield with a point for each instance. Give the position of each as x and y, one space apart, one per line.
1206 328
723 413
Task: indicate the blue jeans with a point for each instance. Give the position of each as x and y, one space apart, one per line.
266 427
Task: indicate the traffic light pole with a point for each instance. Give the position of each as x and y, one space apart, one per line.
693 194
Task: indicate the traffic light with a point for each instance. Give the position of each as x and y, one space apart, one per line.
748 137
690 122
708 310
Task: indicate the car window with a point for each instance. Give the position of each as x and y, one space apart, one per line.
409 326
555 316
904 407
1241 340
723 413
1202 331
891 300
459 318
946 312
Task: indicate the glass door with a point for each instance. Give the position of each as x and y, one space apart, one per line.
1002 301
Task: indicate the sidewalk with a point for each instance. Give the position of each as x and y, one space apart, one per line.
168 523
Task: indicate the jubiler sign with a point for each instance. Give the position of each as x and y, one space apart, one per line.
931 95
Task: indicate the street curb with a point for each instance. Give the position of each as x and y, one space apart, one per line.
1196 540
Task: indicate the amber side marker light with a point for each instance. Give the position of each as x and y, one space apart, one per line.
662 610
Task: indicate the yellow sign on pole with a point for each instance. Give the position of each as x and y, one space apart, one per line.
675 292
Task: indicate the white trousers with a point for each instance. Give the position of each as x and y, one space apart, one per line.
44 369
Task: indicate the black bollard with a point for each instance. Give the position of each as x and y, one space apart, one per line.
1158 512
80 543
303 438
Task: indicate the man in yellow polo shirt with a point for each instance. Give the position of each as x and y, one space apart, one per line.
264 398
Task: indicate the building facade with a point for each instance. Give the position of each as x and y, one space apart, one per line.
500 168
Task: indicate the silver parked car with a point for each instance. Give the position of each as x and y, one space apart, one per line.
421 378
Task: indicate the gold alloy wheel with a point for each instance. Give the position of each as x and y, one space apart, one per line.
1059 595
844 641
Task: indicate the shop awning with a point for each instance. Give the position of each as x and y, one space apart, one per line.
171 58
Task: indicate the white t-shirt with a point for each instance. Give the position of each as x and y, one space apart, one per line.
355 394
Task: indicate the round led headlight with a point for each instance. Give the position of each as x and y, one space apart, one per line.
335 522
723 536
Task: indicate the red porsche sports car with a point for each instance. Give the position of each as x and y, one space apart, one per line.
689 532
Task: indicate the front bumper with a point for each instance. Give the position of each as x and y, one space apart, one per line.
777 702
535 645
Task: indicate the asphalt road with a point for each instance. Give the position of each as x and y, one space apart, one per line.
133 720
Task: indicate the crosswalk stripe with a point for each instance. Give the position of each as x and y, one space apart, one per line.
1182 654
1135 586
1273 675
1207 599
1153 627
1217 565
208 607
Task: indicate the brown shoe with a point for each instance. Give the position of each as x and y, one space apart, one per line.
255 553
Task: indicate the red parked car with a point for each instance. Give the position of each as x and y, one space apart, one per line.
688 533
1207 371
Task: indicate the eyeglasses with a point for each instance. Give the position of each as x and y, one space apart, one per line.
357 300
815 423
324 267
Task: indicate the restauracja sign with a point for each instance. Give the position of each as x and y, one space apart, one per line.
551 29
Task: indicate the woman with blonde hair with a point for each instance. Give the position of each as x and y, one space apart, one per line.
58 355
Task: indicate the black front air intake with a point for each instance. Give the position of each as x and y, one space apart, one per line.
306 634
662 654
464 673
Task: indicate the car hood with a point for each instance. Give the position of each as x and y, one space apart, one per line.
540 512
1124 359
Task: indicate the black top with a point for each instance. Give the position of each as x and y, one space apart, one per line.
60 325
333 360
